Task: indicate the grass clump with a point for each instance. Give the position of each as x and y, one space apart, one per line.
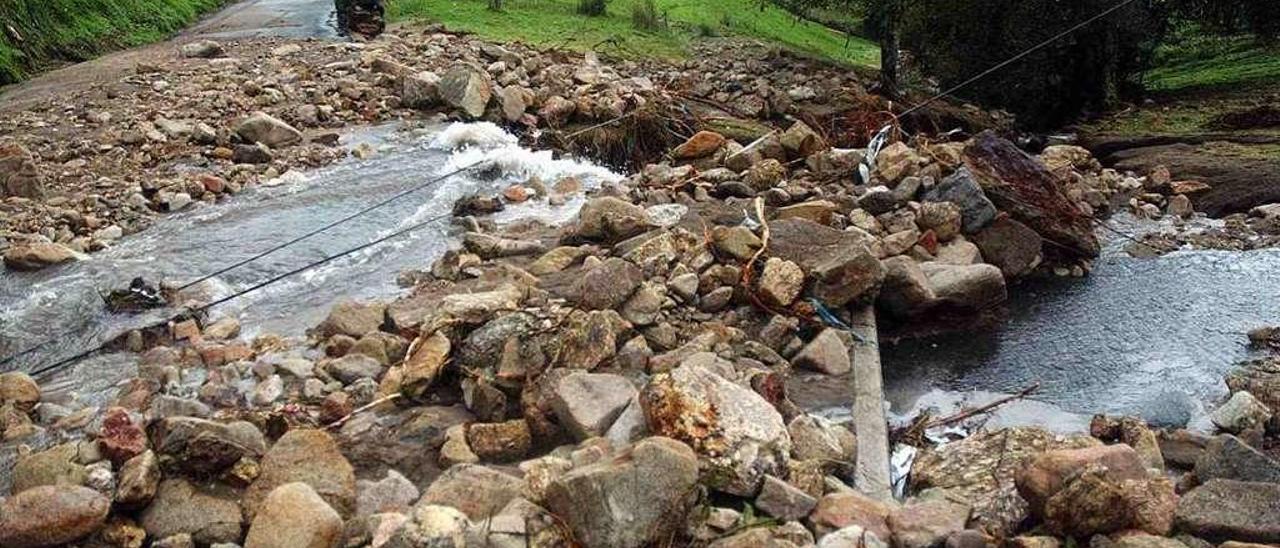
645 16
36 33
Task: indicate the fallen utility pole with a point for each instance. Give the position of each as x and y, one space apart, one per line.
871 474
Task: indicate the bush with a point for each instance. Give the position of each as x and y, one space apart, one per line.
593 8
644 16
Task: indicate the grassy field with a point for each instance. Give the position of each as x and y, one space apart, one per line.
556 22
1196 62
41 32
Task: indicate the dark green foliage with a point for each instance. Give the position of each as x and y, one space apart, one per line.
34 33
592 7
954 40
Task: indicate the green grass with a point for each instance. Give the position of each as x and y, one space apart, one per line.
556 23
52 31
1197 62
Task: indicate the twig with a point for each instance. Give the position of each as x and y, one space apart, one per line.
968 413
363 408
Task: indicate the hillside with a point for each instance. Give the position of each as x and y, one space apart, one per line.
557 23
39 33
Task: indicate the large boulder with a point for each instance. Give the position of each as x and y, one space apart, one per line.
1081 492
638 498
51 515
1020 185
209 514
294 516
264 128
307 456
1241 412
1010 245
1226 457
981 469
739 436
54 466
19 174
826 353
976 211
1232 510
466 87
970 287
840 265
927 523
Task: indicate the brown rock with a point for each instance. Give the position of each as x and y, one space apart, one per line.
307 456
500 442
51 515
294 516
702 144
839 510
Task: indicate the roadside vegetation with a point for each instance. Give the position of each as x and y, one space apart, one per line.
639 28
40 33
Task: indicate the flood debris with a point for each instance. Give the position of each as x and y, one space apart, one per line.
621 380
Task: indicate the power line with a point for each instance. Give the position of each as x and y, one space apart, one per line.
205 307
283 245
1019 56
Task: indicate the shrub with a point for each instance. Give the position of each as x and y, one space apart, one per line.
593 8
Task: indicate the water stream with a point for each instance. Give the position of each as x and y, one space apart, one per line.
1146 336
61 304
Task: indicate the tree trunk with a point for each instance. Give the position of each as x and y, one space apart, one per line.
889 51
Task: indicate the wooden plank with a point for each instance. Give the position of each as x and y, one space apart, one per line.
871 475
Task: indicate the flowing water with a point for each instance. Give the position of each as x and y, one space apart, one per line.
61 304
1146 336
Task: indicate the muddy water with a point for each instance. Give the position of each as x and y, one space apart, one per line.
62 305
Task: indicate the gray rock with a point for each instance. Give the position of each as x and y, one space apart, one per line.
1228 509
204 49
1226 457
879 200
610 219
393 493
353 319
630 425
608 285
1240 413
826 353
466 87
631 501
209 514
974 287
1010 245
420 90
963 190
587 404
261 127
783 500
353 367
